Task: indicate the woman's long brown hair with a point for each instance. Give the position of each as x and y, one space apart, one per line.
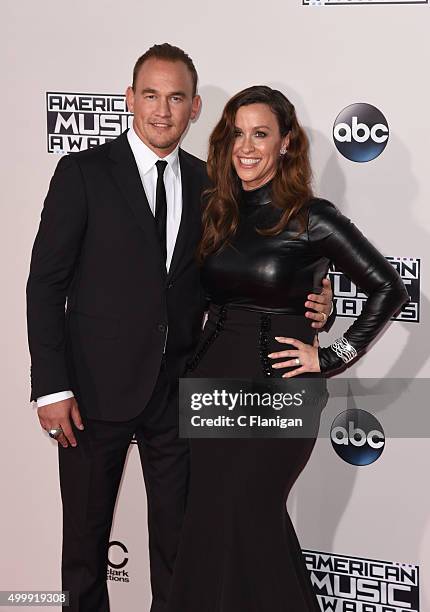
291 186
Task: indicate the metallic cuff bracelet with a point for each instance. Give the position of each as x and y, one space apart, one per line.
344 349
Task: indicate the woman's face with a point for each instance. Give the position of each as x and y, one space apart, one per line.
257 145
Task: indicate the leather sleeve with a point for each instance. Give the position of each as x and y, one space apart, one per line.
53 261
335 237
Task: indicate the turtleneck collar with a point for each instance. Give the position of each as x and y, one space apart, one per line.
258 197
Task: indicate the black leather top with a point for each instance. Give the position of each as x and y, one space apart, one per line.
276 273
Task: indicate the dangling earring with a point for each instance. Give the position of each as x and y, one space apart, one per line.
283 150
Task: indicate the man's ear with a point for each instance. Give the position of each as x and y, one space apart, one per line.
196 107
129 96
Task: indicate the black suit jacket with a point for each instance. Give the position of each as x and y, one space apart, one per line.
97 253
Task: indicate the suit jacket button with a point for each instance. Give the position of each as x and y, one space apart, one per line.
161 327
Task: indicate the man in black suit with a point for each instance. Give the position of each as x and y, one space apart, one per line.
115 308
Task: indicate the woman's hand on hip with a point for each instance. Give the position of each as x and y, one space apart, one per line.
304 357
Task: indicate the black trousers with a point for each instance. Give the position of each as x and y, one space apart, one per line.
90 475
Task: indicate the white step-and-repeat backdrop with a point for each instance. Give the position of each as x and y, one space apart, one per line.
357 73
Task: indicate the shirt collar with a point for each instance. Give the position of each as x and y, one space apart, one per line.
146 158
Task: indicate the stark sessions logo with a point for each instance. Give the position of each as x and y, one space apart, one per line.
117 561
78 121
356 584
350 300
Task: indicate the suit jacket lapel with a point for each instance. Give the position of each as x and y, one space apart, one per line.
126 175
190 208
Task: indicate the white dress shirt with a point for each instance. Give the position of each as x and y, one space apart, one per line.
145 160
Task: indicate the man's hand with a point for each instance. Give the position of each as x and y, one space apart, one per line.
321 305
59 414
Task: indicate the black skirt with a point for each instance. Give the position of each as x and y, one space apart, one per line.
239 551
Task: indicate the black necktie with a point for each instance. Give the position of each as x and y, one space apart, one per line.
161 207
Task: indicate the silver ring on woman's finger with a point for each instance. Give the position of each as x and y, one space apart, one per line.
55 432
324 319
297 361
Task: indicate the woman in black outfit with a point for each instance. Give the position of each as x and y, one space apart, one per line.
267 243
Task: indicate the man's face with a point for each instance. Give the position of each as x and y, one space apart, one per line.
162 103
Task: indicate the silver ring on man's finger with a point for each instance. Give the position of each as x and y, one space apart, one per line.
297 361
324 319
55 432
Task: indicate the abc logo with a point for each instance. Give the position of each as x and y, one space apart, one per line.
360 132
357 437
